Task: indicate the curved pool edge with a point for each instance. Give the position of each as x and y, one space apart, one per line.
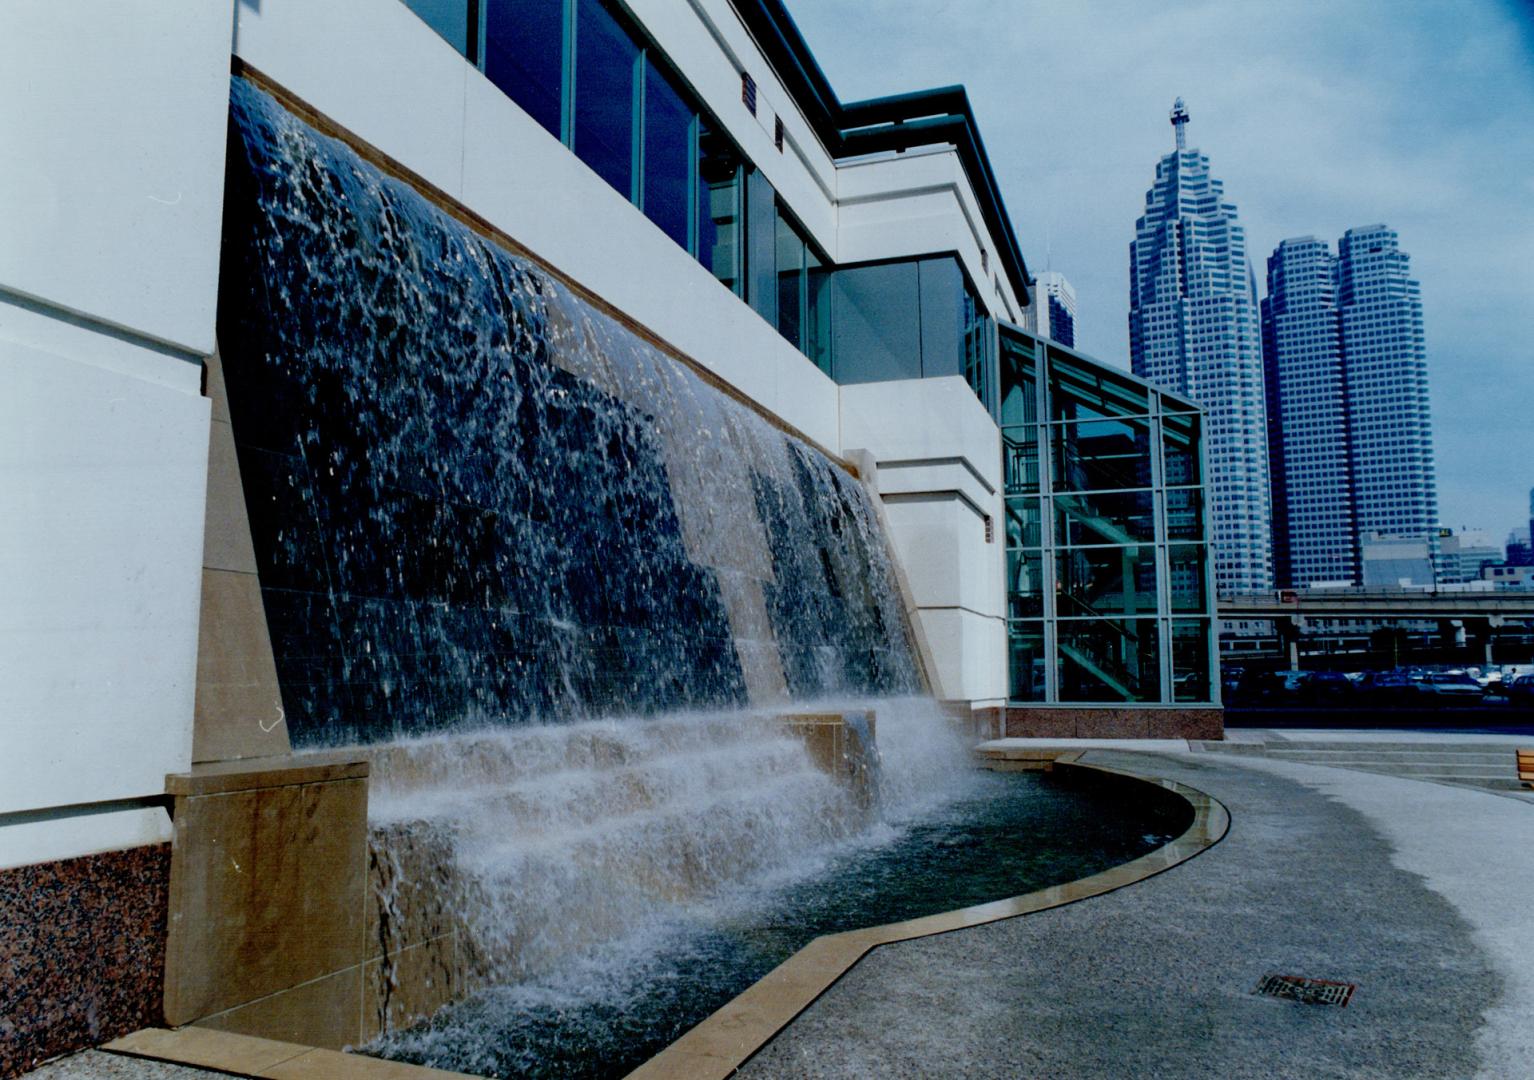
724 1041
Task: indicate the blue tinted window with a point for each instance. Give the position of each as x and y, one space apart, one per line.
719 206
524 55
668 154
876 323
790 259
762 246
605 64
450 18
942 322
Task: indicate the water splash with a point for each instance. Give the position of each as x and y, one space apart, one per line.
476 498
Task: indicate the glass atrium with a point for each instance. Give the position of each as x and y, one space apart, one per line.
1108 579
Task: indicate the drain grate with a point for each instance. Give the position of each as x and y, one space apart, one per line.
1308 991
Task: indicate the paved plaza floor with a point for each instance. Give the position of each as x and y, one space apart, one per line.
1414 885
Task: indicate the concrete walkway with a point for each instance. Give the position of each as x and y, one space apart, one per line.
1420 893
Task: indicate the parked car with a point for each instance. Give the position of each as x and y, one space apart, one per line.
1327 688
1393 688
1452 684
1521 690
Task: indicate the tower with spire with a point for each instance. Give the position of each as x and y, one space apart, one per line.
1193 328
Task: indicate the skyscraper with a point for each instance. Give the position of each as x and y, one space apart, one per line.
1315 537
1349 431
1395 492
1193 328
1052 311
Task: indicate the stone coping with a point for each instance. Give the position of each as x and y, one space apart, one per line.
245 1055
248 774
723 1042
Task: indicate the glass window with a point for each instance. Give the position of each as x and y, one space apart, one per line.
876 323
1185 514
1019 380
719 190
1106 581
761 245
668 155
1181 434
1109 660
450 18
1185 566
1098 455
525 53
1020 450
1190 660
1025 523
790 260
1121 517
1025 651
817 323
1025 584
979 332
1081 390
941 286
606 62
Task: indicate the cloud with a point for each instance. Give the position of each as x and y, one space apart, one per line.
1317 116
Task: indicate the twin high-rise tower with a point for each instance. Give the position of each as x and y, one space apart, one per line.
1349 430
1193 328
1329 401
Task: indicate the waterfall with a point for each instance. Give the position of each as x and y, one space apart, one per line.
478 499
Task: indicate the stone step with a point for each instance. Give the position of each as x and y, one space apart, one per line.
1344 756
1423 768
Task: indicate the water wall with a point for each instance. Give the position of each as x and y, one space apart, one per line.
477 499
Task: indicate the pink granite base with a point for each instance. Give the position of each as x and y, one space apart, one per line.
82 952
1023 722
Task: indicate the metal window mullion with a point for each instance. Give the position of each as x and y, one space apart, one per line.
1163 559
1042 434
567 79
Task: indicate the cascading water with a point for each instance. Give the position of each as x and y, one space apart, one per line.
478 499
558 586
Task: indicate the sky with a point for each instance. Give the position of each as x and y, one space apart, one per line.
1318 115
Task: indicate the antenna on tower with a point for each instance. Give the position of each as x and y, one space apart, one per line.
1179 122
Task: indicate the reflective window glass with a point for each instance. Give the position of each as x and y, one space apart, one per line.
1180 434
524 55
1024 523
876 323
1098 455
1020 452
1109 660
817 321
1185 514
667 154
719 246
1190 660
1026 661
941 288
761 245
1081 390
790 259
1025 584
605 73
1106 581
450 18
1188 585
1019 380
1120 517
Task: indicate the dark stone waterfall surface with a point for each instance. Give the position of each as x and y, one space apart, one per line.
476 498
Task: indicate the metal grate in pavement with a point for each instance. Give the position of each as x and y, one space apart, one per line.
1308 991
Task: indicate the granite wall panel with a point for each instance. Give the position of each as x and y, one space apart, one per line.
82 952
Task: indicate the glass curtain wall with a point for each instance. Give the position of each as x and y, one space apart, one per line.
1107 573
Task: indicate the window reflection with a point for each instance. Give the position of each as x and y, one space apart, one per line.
524 55
719 168
1109 660
1101 455
1025 584
1190 660
1106 581
605 64
668 155
1120 517
1026 661
1188 586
